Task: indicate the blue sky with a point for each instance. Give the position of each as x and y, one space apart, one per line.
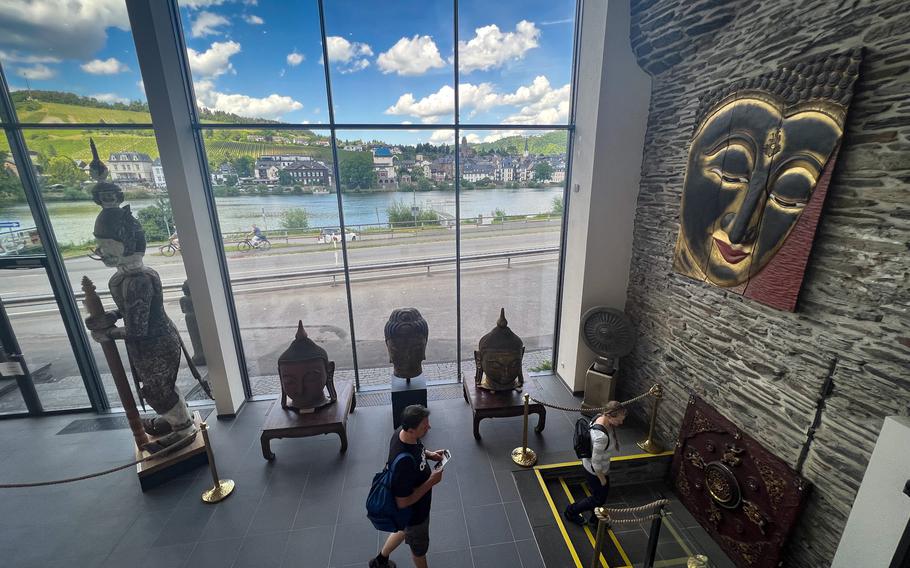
391 62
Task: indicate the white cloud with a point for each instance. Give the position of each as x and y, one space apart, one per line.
414 56
109 66
59 29
36 73
490 48
358 65
110 98
253 20
500 134
273 106
427 109
350 56
539 102
215 60
550 108
208 23
294 59
17 57
442 137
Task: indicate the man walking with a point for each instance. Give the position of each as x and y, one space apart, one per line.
412 484
604 445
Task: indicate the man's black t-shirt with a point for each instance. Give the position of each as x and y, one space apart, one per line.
409 475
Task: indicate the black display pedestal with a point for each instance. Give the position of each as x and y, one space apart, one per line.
405 394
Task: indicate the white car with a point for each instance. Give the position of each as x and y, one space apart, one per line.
333 235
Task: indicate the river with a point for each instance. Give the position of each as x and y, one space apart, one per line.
73 221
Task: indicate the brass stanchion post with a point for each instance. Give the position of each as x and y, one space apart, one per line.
525 456
222 487
650 445
599 538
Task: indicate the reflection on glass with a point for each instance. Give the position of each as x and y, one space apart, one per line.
256 61
18 234
72 62
36 321
131 156
404 252
515 61
391 62
512 190
278 212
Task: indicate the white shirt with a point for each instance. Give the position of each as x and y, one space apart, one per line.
602 450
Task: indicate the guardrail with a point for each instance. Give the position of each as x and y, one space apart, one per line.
389 228
332 272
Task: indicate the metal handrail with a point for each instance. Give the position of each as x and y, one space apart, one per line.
323 272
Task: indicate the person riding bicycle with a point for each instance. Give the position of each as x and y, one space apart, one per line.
256 235
174 240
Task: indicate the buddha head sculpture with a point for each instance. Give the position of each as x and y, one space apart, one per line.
120 238
759 162
305 372
498 358
406 335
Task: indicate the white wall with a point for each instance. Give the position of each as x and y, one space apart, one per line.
611 117
881 511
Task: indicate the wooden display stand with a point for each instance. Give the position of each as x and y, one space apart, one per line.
503 404
158 470
332 419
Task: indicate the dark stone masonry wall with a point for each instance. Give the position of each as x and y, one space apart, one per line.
765 369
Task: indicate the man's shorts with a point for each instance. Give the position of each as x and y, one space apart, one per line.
418 537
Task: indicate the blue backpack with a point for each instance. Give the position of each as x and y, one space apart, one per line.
382 510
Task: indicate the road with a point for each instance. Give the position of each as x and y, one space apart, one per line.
268 311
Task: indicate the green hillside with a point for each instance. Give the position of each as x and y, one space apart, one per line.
547 144
54 113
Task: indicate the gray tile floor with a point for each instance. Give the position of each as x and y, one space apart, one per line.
304 509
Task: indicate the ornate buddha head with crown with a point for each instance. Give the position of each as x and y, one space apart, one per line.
306 372
498 358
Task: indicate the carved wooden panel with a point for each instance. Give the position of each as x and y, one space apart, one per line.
747 498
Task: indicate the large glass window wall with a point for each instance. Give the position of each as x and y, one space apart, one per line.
360 159
427 210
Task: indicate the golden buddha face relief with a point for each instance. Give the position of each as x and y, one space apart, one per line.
752 169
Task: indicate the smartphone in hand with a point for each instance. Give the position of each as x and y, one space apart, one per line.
446 456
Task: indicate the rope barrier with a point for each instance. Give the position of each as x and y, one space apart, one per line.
603 513
174 447
651 392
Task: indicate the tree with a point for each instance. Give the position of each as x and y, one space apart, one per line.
423 184
401 215
356 171
64 171
543 171
284 178
557 205
230 180
296 218
243 166
157 220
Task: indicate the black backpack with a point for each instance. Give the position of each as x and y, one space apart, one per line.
582 439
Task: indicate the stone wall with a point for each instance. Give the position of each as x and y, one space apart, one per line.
764 369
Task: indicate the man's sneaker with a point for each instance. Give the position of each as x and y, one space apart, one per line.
573 518
374 563
592 520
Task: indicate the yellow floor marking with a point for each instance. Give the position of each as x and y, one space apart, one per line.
617 458
679 539
558 517
591 538
615 540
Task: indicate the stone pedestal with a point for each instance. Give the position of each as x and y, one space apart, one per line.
406 393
